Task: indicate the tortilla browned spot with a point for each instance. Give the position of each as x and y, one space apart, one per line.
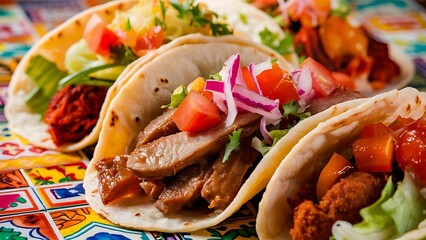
114 118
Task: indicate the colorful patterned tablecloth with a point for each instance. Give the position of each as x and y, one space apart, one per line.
41 192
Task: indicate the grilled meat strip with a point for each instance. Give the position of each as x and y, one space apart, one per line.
168 155
161 126
184 187
115 180
339 95
223 184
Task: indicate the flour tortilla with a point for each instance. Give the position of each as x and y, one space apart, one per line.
306 160
139 101
53 47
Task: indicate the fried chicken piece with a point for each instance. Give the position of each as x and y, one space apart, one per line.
342 202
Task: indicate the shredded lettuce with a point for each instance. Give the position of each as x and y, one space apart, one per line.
389 217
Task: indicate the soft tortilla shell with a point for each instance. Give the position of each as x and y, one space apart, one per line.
139 101
306 160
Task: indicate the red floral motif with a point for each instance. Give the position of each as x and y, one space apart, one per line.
37 150
10 149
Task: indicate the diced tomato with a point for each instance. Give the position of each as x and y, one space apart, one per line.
152 39
375 130
401 122
411 151
323 81
196 113
248 79
344 80
98 37
374 154
331 173
275 83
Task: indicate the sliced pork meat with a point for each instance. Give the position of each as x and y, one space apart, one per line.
183 188
152 188
342 202
168 155
339 95
161 126
115 180
227 177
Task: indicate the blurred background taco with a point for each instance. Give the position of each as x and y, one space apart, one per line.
64 84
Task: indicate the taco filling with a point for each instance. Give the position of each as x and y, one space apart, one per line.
207 141
328 32
377 194
95 62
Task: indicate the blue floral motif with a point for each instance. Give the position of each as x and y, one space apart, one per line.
107 236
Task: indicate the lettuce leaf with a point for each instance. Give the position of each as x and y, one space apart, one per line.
391 216
407 206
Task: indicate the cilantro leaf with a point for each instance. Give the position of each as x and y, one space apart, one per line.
233 145
161 22
177 97
122 55
128 26
341 8
282 45
199 18
292 109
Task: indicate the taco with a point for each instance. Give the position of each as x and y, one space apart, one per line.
186 154
62 86
359 175
330 32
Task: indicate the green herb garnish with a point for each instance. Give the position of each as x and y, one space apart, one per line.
341 8
128 26
283 45
177 97
215 76
292 109
243 19
122 56
82 77
233 145
161 22
200 18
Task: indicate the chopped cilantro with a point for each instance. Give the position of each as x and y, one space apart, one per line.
243 18
161 22
215 76
122 55
340 8
128 26
292 109
233 145
177 97
277 135
200 18
282 45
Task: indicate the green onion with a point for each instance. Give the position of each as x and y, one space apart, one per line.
46 76
82 77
